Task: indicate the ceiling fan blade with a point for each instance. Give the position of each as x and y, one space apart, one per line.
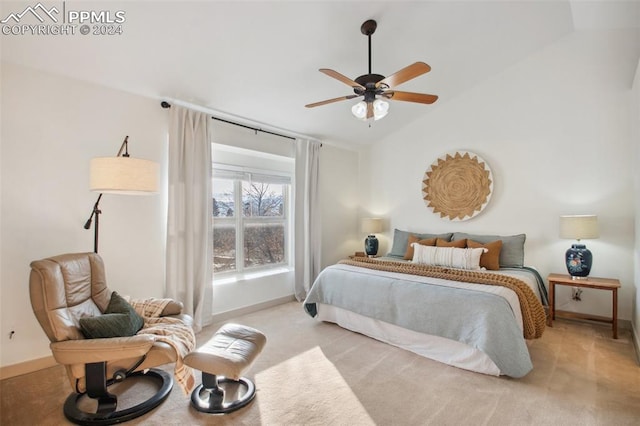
369 109
405 74
328 101
338 76
421 98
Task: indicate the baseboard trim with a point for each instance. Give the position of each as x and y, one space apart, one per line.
636 344
26 367
625 325
224 316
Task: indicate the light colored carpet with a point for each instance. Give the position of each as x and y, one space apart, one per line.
314 373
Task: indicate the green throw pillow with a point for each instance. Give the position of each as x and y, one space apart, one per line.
106 325
118 320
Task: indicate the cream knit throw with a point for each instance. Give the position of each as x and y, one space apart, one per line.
172 331
533 315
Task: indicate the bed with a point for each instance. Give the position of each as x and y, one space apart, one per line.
470 317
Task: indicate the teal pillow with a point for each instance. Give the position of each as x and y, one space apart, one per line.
118 320
512 253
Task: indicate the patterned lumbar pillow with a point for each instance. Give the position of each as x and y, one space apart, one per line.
452 257
118 320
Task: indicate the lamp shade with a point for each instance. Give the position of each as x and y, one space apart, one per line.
380 109
371 225
579 227
123 175
359 110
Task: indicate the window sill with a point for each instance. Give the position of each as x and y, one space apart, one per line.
247 276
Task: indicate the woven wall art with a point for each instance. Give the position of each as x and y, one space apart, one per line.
457 186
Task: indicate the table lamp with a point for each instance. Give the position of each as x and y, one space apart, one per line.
578 227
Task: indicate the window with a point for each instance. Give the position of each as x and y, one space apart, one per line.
250 219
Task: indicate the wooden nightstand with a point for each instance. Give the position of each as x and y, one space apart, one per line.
591 282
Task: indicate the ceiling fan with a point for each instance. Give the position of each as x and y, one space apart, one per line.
375 87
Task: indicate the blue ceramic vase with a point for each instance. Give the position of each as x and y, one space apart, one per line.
579 260
371 245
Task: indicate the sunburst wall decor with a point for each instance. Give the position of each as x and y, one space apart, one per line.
457 186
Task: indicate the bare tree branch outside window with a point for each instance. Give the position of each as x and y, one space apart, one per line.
262 224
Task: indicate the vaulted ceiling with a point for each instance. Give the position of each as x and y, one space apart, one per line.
260 60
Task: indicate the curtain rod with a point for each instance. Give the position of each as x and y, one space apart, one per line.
165 104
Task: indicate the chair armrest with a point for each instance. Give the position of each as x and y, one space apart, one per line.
84 351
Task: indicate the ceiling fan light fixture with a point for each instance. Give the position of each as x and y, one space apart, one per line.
371 86
359 110
380 109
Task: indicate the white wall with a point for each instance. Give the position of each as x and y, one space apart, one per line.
555 130
51 127
340 202
635 143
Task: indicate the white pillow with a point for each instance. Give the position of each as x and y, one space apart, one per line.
452 257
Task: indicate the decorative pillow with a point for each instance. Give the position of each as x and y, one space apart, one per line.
458 244
491 258
452 257
118 320
401 241
408 255
106 325
512 253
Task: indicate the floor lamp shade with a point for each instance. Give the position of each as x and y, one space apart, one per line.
577 227
371 226
123 175
119 175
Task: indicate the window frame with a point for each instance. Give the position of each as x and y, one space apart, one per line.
240 174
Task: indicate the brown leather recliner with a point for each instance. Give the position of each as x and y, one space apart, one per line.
68 287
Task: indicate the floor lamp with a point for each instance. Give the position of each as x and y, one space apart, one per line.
121 174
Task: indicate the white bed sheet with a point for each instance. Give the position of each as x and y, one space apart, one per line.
440 349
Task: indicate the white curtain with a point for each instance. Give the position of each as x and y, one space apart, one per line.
189 220
307 216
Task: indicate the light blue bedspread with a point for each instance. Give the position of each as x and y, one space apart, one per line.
481 320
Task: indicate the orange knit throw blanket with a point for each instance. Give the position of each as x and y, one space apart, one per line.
533 315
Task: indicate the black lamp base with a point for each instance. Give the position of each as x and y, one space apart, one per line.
579 260
371 245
